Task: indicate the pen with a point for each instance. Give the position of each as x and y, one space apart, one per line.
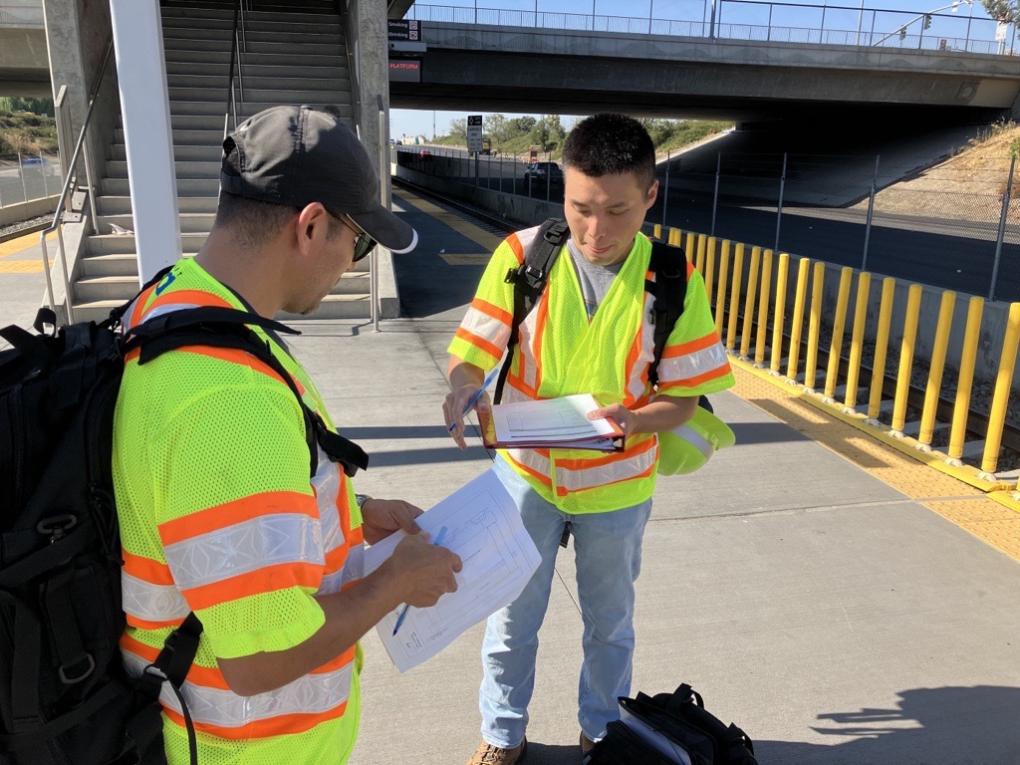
400 619
477 395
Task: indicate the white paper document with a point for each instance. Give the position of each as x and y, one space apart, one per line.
483 526
556 423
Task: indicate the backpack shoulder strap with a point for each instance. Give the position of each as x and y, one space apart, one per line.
529 280
669 264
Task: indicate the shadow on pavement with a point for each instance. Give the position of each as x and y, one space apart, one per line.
952 725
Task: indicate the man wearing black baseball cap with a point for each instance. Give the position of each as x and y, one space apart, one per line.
211 468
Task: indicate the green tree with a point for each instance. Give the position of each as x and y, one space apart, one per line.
1003 11
548 133
458 130
12 104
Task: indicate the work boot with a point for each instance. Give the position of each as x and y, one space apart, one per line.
487 754
586 743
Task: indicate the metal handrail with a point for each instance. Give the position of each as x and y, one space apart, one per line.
70 182
235 55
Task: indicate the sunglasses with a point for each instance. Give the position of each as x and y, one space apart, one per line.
363 243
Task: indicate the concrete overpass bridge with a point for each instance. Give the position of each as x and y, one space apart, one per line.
466 66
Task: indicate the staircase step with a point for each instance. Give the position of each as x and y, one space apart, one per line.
255 46
117 168
96 288
126 264
110 204
336 307
217 95
296 80
186 187
289 25
190 223
254 72
211 137
210 152
248 108
113 244
172 13
252 36
296 58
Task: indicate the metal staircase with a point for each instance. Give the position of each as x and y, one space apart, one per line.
286 55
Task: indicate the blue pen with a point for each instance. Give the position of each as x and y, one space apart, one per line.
477 395
400 619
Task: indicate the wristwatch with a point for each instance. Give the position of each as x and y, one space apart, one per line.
361 499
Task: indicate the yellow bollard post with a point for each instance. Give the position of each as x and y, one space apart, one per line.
797 323
965 382
853 372
1003 383
720 296
699 262
676 237
738 277
814 327
899 417
691 246
709 272
749 303
779 319
838 326
657 231
881 347
763 308
937 368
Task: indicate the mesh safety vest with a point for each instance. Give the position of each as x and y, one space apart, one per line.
218 516
560 352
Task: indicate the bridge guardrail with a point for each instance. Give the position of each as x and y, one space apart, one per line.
763 21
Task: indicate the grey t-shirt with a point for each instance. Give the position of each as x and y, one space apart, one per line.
595 280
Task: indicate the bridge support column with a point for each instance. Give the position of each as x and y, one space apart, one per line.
145 107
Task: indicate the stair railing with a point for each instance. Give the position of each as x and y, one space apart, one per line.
70 183
237 45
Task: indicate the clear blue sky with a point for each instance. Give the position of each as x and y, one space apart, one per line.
793 14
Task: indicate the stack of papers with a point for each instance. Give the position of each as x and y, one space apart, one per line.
559 423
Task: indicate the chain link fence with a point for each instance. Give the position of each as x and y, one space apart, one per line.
24 177
956 225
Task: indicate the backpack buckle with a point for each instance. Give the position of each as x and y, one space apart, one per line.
67 678
56 526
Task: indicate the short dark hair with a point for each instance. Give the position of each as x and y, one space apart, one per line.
256 222
605 144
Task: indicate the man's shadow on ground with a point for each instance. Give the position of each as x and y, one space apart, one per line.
934 726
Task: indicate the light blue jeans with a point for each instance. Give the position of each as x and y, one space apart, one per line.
607 552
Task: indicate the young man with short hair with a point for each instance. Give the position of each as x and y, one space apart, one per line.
590 332
218 512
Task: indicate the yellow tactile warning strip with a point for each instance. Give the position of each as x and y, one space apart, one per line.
452 219
17 246
968 507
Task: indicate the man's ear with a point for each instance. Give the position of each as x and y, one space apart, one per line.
311 226
652 195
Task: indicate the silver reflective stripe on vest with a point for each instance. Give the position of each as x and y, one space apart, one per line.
353 569
263 541
326 483
311 694
693 364
151 602
621 470
695 439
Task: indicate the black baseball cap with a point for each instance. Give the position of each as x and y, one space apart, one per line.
296 155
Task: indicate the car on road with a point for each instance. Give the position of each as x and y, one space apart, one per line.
538 174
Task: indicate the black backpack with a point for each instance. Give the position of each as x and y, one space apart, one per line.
680 721
668 263
65 698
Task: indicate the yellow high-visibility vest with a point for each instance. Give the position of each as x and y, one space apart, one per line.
560 352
